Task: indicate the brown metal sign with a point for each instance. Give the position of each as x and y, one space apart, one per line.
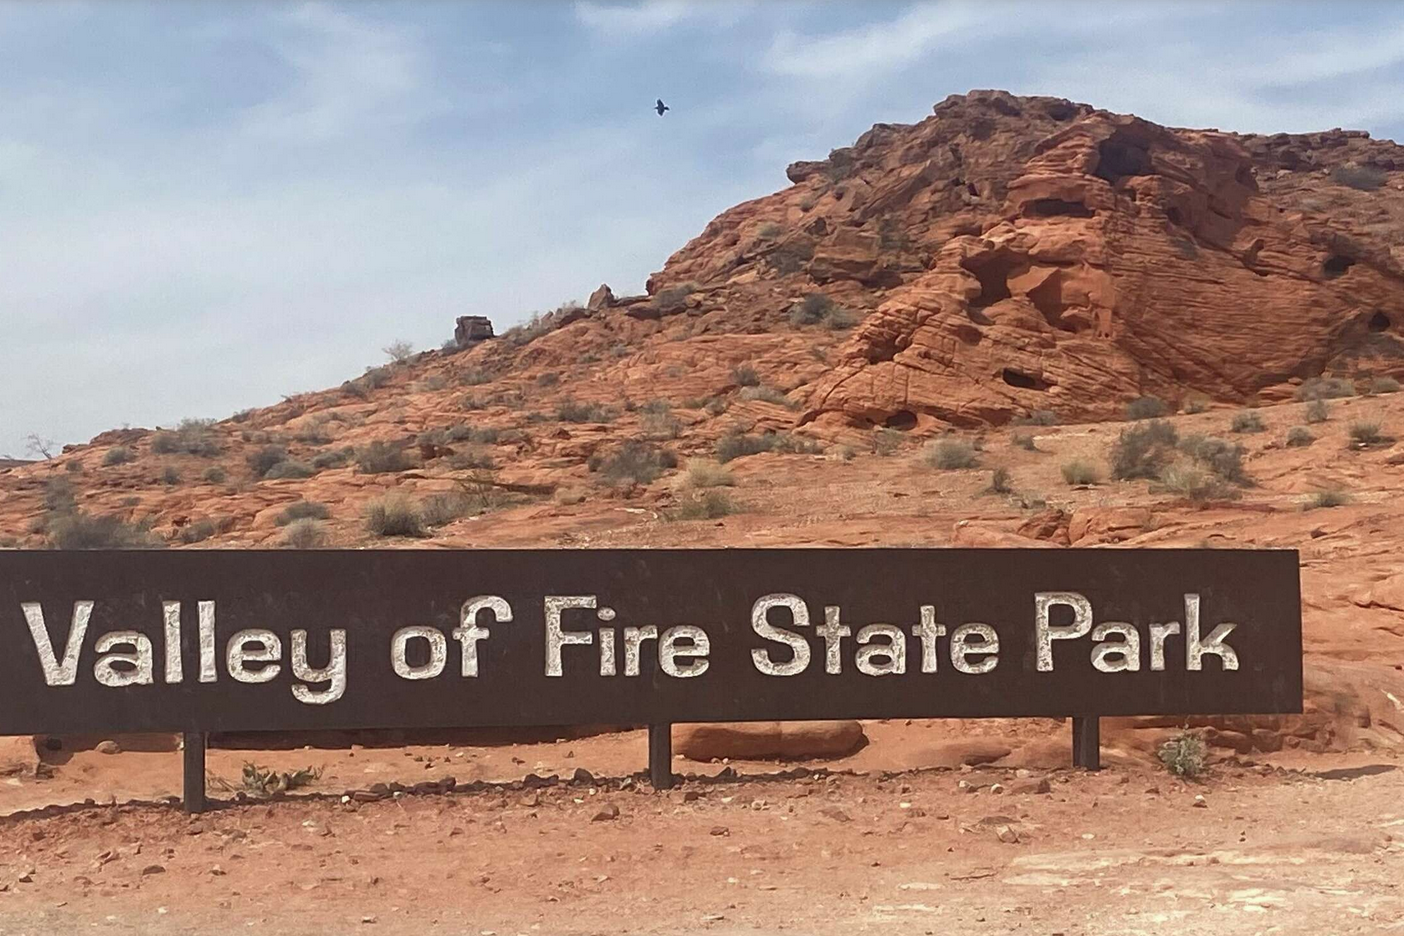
278 640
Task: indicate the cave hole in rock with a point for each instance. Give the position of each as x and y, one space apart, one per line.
1379 322
902 420
992 270
1047 298
1022 380
1117 159
1174 216
1056 208
1336 265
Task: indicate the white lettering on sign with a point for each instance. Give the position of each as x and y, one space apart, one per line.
399 652
686 661
974 639
799 647
468 633
58 673
1123 655
255 645
334 673
557 637
137 666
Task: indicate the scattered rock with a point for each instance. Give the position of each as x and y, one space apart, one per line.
836 814
768 740
153 869
608 812
108 747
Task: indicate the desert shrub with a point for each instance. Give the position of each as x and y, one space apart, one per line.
673 300
818 309
1037 418
191 437
263 460
439 509
197 532
887 441
118 455
59 496
1224 459
1000 481
1080 471
73 466
950 454
1317 412
77 530
398 351
1247 422
707 474
524 334
767 394
291 468
339 458
704 505
381 458
573 412
771 230
1299 437
474 458
633 461
302 510
1184 755
1195 482
1361 178
1025 440
1383 385
1142 451
1367 433
1196 404
548 379
306 533
1322 499
1325 388
394 515
790 257
474 377
313 434
746 376
737 444
170 476
1146 407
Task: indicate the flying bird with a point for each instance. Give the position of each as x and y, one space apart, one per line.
661 107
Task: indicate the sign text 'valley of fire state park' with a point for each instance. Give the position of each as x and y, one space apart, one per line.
261 640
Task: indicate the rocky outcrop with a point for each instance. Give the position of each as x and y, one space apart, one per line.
768 740
471 329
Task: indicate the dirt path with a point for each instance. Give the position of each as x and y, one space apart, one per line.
1129 850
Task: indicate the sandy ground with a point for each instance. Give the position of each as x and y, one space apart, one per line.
1295 843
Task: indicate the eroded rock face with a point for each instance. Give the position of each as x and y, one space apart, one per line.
1025 254
471 329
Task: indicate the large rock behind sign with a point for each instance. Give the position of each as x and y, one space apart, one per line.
768 740
18 756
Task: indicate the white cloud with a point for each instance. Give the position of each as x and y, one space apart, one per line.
618 22
872 50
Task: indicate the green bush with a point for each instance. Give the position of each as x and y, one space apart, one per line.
1025 440
381 458
1193 481
77 530
302 510
705 474
394 515
1184 756
288 469
1196 404
1079 471
737 444
263 460
306 533
398 351
817 308
1146 407
1223 458
1327 499
1247 422
1142 451
1317 412
1325 388
339 458
767 395
472 458
887 441
635 462
1361 178
1383 385
573 412
214 474
705 505
118 455
1000 481
191 437
170 476
439 509
746 376
1299 437
1367 433
950 454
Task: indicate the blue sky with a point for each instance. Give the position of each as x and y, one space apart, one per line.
205 206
